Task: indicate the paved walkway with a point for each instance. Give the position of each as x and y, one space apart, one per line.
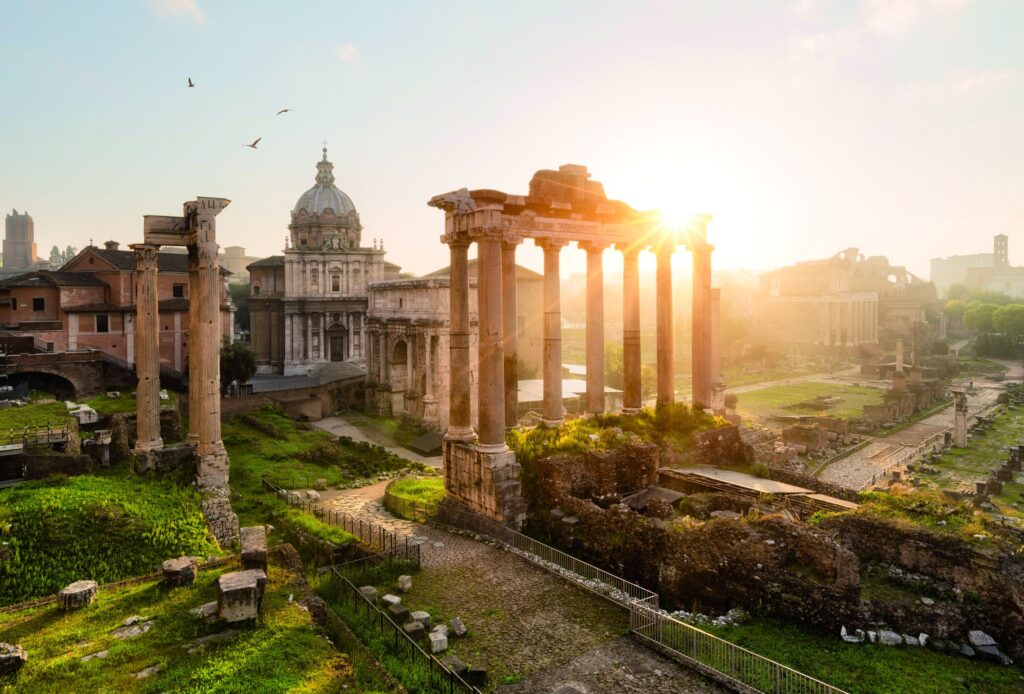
533 631
339 426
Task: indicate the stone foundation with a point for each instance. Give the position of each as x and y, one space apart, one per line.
487 483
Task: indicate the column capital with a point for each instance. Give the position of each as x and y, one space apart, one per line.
595 246
549 244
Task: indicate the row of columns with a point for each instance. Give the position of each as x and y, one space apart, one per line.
496 298
205 337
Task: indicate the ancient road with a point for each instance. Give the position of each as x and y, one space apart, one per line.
533 631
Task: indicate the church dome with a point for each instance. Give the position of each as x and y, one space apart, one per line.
324 195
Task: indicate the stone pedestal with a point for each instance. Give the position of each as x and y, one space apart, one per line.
487 483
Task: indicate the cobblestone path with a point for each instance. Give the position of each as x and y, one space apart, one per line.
533 631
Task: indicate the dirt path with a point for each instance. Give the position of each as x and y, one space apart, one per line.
533 632
340 426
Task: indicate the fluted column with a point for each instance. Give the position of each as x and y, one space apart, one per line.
459 426
195 356
510 329
595 327
701 366
666 365
553 413
147 349
209 324
631 395
491 382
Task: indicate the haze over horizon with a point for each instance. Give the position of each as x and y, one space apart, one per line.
803 127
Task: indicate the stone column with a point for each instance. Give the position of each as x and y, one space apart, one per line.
595 327
147 356
510 330
459 426
491 382
701 367
666 366
553 414
195 357
209 330
631 396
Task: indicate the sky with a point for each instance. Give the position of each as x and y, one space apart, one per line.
804 127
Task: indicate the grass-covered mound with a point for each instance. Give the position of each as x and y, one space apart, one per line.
421 494
283 652
60 530
671 426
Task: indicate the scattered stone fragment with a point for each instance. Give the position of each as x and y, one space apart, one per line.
12 657
207 609
404 583
130 631
200 643
77 595
147 672
390 599
240 594
458 628
889 638
438 642
179 572
100 654
980 638
369 592
399 613
421 617
454 664
414 630
254 547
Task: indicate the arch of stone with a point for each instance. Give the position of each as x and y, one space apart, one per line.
562 207
196 230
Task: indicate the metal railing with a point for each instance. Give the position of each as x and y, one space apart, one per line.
368 532
399 643
723 661
585 575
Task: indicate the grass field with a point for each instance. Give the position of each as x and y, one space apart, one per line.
59 530
871 669
283 652
786 399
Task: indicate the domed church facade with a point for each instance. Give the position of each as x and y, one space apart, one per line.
308 306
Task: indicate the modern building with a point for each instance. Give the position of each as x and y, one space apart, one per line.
19 241
89 303
408 341
308 306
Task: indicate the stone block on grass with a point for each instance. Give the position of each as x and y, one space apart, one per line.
438 642
414 630
398 613
240 594
179 572
254 547
77 595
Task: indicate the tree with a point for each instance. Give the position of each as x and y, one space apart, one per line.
237 363
56 257
1009 320
958 292
979 317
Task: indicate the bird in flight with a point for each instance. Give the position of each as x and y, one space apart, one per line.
283 110
254 142
190 82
